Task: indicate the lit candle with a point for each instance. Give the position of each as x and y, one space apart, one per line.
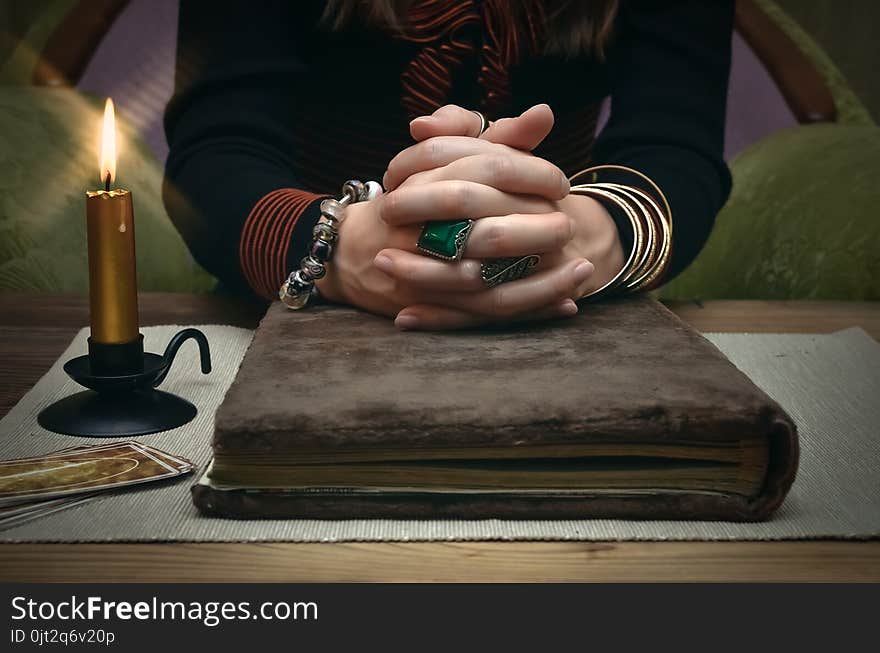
112 275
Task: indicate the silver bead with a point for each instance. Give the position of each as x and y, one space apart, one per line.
332 209
294 302
325 232
298 283
354 189
314 268
321 250
295 292
373 190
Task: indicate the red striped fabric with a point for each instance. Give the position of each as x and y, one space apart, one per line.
443 25
266 235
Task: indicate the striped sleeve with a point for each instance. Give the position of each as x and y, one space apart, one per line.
276 229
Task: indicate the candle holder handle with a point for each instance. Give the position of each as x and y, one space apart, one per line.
124 403
174 344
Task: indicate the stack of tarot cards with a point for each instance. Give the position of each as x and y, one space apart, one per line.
37 486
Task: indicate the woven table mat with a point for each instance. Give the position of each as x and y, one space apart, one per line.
829 384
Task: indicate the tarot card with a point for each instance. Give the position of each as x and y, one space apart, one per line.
182 464
18 514
83 470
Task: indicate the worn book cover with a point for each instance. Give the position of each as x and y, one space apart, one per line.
621 411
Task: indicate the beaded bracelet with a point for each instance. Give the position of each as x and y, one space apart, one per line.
299 287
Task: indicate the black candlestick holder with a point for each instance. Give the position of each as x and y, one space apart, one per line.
122 399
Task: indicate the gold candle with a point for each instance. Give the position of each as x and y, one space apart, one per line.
112 273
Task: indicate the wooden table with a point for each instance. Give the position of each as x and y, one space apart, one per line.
34 330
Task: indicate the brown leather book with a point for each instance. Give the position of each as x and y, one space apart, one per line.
622 411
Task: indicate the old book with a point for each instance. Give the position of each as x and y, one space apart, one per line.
622 411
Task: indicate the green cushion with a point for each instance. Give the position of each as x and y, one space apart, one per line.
48 153
803 221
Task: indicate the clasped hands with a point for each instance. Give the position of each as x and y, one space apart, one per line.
520 205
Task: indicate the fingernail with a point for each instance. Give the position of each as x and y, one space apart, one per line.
383 263
384 177
427 119
406 321
583 270
568 307
535 106
564 190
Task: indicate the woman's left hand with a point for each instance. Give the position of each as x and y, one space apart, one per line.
520 205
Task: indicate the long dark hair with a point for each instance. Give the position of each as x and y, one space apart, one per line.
572 26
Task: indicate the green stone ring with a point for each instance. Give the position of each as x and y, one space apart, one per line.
445 239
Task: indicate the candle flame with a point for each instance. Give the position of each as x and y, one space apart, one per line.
108 143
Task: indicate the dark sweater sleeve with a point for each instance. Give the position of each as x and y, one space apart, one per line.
669 65
229 183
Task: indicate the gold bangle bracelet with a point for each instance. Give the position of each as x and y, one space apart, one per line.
652 241
665 258
594 170
641 237
638 239
662 254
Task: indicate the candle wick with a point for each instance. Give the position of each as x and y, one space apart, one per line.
107 182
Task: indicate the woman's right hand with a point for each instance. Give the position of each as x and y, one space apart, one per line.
352 278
